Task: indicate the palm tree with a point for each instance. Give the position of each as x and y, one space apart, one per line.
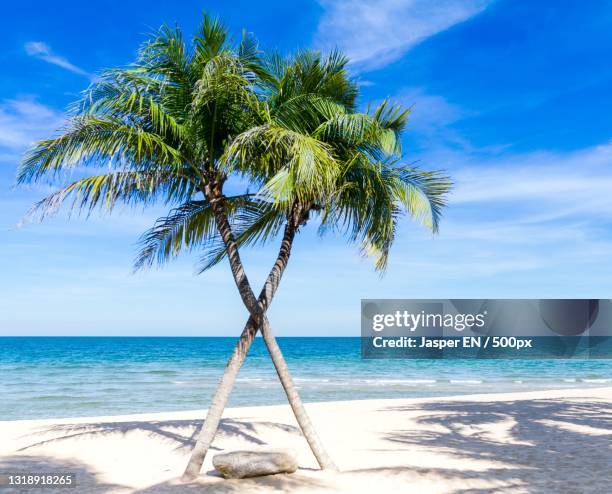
162 126
175 125
310 99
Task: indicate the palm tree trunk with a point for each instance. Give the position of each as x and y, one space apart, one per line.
324 460
215 411
257 311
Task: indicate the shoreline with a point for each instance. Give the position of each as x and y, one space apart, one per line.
178 414
510 442
88 377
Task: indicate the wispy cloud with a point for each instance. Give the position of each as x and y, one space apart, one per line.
44 52
568 182
431 122
374 34
24 120
429 111
545 212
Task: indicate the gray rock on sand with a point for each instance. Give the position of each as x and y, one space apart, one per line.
242 464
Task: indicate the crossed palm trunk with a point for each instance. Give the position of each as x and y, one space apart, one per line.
257 308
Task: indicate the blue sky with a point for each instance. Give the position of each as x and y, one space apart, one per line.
513 98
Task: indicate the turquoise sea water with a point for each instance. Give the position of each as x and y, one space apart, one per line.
70 377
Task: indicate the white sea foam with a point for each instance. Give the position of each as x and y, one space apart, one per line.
311 380
409 382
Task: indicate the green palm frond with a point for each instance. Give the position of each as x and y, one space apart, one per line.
104 192
423 194
391 115
293 166
94 141
373 198
251 57
303 112
190 226
308 72
130 102
359 131
167 56
211 40
393 118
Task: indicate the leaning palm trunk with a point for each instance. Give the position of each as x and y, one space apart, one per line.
297 216
239 354
324 460
224 389
215 411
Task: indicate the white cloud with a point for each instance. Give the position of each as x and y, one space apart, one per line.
23 121
431 119
428 112
374 34
561 184
543 212
43 51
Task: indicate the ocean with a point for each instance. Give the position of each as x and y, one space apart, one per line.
52 377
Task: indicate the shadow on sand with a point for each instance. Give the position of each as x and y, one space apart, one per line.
542 446
550 446
181 432
272 483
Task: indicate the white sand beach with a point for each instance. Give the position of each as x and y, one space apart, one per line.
535 442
